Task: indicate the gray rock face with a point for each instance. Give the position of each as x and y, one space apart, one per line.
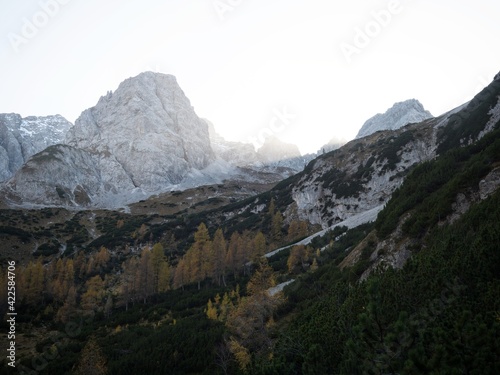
57 175
142 139
362 174
489 184
150 128
63 175
273 158
238 154
21 138
399 115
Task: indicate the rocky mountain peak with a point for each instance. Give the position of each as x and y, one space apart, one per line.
274 157
150 128
332 144
399 115
274 150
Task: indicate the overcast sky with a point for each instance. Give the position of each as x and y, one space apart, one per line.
306 71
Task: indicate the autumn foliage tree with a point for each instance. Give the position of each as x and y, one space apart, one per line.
276 226
69 306
244 251
63 279
180 275
221 307
101 259
249 324
197 258
262 279
271 208
296 230
92 298
92 361
128 281
32 283
218 258
299 258
259 246
207 258
144 276
232 261
160 269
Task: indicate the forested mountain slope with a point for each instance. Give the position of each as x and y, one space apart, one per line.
438 314
415 292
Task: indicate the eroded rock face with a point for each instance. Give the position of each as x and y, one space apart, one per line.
399 115
21 138
489 184
273 158
362 174
238 154
365 172
63 175
51 176
150 128
144 138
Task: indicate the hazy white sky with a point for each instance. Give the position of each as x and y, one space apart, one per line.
306 71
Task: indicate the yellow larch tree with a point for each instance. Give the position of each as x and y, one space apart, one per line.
218 257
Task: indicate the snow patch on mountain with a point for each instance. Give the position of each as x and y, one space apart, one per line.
351 222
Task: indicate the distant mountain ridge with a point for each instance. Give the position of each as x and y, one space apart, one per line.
145 138
274 150
21 138
399 115
273 156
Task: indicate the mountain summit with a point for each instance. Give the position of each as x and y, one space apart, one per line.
274 150
143 138
399 115
149 126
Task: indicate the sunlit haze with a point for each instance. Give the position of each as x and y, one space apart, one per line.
306 71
